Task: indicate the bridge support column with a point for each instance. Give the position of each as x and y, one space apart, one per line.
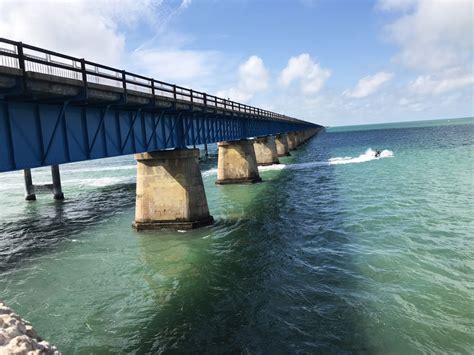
29 187
57 189
170 191
265 150
237 163
292 141
281 142
306 135
300 138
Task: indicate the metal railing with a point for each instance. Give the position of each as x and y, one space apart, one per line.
29 58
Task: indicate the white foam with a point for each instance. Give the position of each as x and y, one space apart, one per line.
209 172
107 181
367 156
94 169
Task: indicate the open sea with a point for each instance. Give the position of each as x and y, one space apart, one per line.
335 252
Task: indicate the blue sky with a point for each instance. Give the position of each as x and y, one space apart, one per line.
332 62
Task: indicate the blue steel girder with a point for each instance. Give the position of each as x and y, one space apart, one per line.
34 134
55 108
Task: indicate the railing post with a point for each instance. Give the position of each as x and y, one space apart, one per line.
205 99
21 64
124 85
21 57
153 100
84 77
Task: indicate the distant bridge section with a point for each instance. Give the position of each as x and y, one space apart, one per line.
56 109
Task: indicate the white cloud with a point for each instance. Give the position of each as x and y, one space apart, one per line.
432 34
439 84
303 69
396 5
175 64
185 4
253 78
369 85
93 30
98 31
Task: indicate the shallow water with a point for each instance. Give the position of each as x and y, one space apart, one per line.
336 251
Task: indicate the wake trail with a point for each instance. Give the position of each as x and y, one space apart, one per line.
369 155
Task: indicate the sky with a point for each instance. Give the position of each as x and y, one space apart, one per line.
332 62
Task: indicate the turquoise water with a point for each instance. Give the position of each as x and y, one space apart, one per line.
336 252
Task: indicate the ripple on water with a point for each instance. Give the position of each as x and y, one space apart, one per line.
364 256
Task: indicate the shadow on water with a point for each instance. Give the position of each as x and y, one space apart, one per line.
45 225
275 277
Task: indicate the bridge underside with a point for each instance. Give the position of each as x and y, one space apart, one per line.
56 109
53 121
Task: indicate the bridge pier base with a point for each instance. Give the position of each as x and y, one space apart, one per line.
299 138
237 163
304 136
170 191
292 141
29 187
281 142
57 189
265 150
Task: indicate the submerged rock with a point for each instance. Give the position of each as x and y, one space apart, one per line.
17 336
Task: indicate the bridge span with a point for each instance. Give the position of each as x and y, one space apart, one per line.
56 109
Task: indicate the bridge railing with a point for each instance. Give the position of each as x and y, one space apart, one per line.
29 58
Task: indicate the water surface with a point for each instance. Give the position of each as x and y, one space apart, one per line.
335 252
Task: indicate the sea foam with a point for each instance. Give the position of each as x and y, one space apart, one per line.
367 156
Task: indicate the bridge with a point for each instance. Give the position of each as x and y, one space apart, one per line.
57 109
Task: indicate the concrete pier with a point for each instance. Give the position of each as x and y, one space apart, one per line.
292 143
299 138
29 187
265 150
237 163
281 142
170 191
57 189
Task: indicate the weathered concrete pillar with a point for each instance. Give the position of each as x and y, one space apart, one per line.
302 137
237 163
265 150
57 189
170 191
281 142
29 187
292 141
299 138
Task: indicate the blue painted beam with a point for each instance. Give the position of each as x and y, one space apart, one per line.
43 134
68 109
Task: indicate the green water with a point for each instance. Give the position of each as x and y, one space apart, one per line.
345 255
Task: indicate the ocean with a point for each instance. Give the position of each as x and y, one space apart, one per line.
335 252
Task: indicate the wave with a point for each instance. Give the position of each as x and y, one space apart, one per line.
367 156
98 169
107 181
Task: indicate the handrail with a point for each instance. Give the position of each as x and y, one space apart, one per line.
87 71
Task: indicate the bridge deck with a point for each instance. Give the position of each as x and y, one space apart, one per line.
55 108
